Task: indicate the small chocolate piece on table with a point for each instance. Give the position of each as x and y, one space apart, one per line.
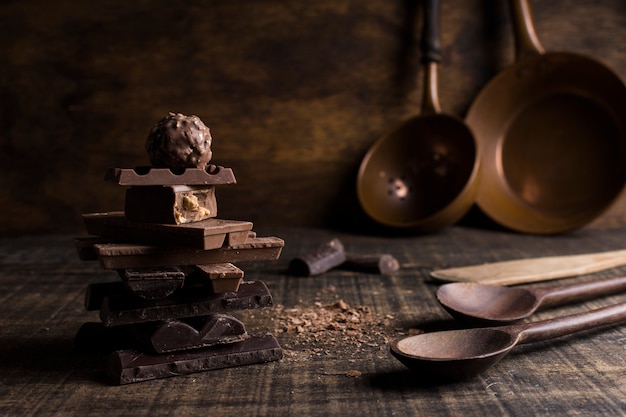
128 366
322 259
372 263
204 234
175 204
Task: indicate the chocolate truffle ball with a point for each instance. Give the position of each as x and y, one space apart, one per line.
178 142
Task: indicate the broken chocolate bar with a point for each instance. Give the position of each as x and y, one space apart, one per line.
320 260
176 204
212 175
371 263
128 366
162 336
222 277
205 234
123 308
125 256
153 283
183 334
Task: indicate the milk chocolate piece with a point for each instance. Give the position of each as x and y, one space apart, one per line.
196 332
211 175
128 366
178 141
153 283
371 263
175 204
238 238
124 256
223 277
205 234
320 260
122 308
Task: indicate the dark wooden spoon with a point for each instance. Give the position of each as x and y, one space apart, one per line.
456 354
493 304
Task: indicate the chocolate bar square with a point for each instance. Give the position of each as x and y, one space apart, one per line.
223 277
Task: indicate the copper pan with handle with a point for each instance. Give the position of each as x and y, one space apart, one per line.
551 133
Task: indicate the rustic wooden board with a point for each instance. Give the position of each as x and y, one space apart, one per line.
335 372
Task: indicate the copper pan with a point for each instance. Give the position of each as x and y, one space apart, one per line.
551 132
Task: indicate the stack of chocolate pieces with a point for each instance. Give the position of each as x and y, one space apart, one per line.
170 312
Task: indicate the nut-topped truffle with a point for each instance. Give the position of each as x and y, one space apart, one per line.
178 142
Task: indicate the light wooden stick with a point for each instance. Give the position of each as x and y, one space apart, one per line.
533 269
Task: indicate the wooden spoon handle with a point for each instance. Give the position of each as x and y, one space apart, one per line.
561 326
533 270
562 294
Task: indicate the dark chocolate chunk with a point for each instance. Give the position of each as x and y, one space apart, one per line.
195 332
211 175
371 263
174 204
123 308
153 283
128 366
125 256
205 234
322 259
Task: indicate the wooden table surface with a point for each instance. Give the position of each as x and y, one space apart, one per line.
336 370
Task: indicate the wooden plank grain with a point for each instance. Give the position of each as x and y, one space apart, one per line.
330 372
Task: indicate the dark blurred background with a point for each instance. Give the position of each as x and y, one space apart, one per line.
294 93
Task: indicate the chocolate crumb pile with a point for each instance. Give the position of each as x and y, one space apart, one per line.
332 329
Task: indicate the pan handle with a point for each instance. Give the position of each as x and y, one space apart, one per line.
431 56
431 45
526 41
